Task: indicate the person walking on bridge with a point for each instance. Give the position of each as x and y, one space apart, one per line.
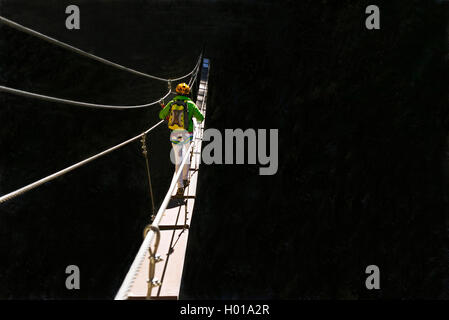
180 112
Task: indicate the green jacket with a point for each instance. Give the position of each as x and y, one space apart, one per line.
192 110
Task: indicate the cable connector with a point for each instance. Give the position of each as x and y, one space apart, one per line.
169 84
144 144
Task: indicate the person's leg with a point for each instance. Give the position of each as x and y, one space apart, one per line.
181 142
177 150
185 170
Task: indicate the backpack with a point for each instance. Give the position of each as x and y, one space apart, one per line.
178 116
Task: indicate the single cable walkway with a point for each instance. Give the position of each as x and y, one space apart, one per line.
152 231
141 279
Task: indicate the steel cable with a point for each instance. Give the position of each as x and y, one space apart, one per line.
76 103
32 32
28 94
55 175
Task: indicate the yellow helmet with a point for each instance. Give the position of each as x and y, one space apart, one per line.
183 88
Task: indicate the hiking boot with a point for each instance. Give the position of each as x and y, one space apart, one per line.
180 192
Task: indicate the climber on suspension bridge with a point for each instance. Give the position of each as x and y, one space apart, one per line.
179 113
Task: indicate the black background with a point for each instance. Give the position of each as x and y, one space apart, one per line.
362 119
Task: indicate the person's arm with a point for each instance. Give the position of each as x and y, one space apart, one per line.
196 112
164 112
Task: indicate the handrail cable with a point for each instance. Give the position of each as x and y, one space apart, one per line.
22 28
86 104
55 175
76 103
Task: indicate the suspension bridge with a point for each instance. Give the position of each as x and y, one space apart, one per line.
156 272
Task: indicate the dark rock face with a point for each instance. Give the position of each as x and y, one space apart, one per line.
362 148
